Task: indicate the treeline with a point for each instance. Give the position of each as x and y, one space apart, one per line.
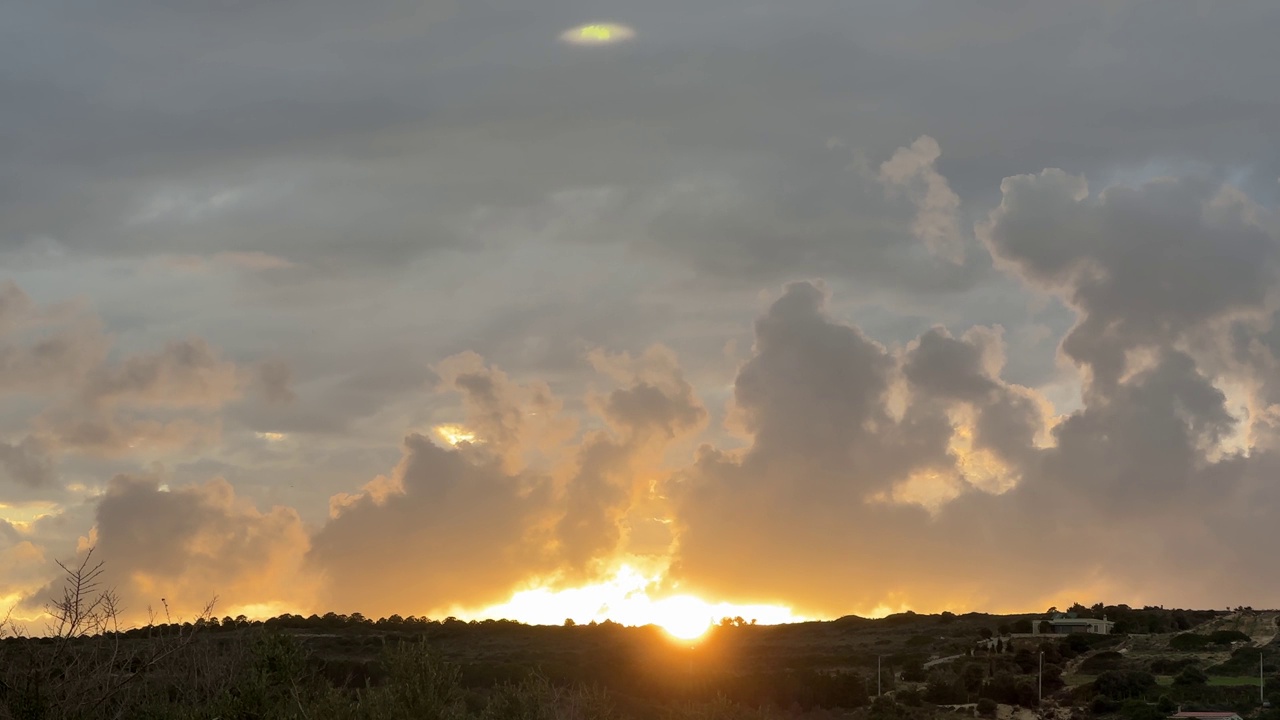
1127 620
318 623
1148 619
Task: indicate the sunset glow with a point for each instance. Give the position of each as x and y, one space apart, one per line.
596 331
455 434
625 598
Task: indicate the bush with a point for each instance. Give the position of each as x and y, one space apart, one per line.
1124 684
913 670
1101 705
987 707
1188 642
1191 675
944 689
1171 666
1139 710
1226 637
910 698
1103 661
1244 661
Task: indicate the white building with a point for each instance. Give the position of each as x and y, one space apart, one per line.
1068 624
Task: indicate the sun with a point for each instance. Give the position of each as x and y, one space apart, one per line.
683 617
624 597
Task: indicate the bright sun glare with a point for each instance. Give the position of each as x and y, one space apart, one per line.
455 434
625 599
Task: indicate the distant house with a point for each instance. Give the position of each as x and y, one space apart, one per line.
1205 716
1068 624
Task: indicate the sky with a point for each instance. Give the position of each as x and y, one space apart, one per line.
812 308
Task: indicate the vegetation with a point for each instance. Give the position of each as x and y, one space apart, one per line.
1192 641
349 667
1101 662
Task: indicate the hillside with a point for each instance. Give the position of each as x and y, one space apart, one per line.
929 665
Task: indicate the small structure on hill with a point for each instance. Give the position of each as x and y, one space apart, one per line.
1068 624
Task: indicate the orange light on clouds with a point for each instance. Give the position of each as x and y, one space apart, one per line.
455 434
624 598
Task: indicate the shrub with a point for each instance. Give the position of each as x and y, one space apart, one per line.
1171 666
1103 661
1139 710
1101 705
1188 642
987 707
913 670
910 698
1124 684
1226 637
1191 675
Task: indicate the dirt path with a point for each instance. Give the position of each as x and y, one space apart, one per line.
941 660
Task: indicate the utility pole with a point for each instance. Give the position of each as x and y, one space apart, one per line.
1040 684
877 676
1262 681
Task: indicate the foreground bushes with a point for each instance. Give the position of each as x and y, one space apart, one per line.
267 676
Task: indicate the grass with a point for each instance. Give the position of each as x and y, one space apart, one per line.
1216 680
1167 680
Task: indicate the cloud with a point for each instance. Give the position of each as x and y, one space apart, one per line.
444 528
43 349
937 223
27 463
505 520
512 421
190 544
275 380
437 178
617 467
248 261
83 398
836 478
185 373
827 450
1142 266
